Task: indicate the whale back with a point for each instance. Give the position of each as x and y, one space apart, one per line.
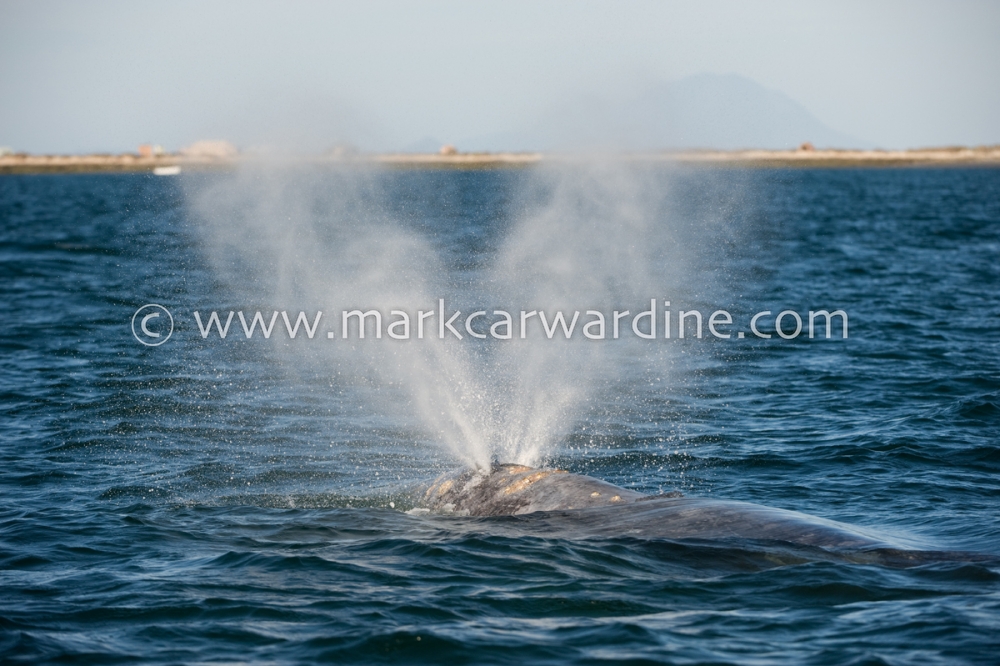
559 503
587 505
507 490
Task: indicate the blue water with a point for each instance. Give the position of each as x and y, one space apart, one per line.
210 501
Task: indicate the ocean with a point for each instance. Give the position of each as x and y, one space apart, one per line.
170 495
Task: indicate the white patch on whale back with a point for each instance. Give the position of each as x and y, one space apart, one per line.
475 480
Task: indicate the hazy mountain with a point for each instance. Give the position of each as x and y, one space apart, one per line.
704 111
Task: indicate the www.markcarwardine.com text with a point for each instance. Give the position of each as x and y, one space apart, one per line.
657 322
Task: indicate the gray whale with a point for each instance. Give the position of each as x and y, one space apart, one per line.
574 503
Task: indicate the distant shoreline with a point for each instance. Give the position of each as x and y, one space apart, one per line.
805 158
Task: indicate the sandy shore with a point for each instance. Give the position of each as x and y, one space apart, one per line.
950 156
25 163
128 162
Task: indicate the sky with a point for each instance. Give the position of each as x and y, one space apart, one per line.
105 76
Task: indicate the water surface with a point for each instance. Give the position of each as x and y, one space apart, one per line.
209 501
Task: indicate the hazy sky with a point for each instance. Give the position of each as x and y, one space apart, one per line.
106 76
